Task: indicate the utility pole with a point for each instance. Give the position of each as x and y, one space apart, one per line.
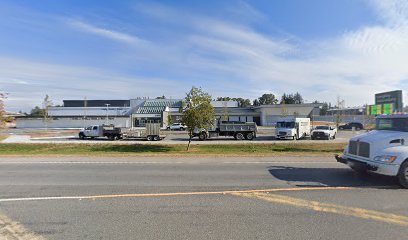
85 106
107 116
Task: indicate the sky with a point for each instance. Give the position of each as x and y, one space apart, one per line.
323 49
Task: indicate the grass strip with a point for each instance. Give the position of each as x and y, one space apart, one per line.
141 149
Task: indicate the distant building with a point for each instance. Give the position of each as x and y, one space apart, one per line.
138 112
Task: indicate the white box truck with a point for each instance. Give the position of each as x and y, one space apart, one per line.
292 128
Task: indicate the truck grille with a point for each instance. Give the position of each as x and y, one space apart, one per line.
358 148
282 133
318 134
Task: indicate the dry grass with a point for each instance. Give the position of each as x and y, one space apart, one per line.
300 149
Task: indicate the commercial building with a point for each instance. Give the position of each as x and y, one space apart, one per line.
138 112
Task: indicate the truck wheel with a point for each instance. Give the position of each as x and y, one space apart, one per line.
334 136
149 138
249 136
156 138
111 137
81 136
202 136
403 174
239 136
181 129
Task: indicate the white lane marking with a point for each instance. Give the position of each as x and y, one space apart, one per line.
65 162
171 194
295 162
167 163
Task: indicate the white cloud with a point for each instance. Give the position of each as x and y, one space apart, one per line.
27 82
104 32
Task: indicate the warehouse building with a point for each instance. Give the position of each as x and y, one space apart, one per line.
138 112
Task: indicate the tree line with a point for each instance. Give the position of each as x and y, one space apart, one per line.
266 99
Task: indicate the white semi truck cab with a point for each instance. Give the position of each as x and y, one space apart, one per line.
383 150
292 128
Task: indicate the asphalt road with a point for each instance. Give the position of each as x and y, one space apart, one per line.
196 198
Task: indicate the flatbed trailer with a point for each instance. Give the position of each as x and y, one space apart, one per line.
150 133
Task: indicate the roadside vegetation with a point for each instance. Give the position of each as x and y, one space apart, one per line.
302 149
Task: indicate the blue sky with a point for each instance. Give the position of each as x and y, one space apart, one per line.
127 49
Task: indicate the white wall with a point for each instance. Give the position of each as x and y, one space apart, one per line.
223 104
69 122
88 111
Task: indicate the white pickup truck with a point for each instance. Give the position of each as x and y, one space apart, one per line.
324 132
382 151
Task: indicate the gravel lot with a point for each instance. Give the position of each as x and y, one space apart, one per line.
265 135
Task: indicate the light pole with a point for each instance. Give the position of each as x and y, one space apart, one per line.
107 116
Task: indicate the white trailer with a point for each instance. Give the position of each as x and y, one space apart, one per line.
292 128
150 133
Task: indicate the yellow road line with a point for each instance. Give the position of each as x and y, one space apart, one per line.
329 208
172 194
13 230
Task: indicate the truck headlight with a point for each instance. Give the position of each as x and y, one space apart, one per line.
385 158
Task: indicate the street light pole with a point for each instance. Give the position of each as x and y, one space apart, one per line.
107 116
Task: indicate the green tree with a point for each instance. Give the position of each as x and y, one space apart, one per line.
169 120
256 102
37 112
292 98
47 103
267 99
3 96
223 99
241 101
198 112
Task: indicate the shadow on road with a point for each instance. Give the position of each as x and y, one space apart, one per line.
332 177
134 148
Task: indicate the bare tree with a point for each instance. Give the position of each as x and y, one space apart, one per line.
3 96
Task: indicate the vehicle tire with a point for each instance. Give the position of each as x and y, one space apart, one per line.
111 137
403 174
249 136
156 138
181 129
81 136
149 138
239 136
295 137
312 138
202 136
334 136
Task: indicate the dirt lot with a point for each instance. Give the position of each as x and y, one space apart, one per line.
265 135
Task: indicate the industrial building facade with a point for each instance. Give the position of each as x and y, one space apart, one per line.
138 112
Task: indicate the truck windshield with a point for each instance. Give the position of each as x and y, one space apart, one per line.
285 125
392 124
